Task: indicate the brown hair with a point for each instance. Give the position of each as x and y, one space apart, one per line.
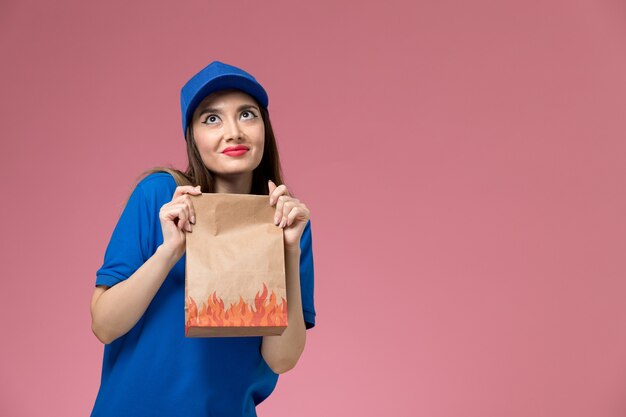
197 173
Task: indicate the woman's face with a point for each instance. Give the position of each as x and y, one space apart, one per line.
225 119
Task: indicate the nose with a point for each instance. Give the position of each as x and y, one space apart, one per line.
232 130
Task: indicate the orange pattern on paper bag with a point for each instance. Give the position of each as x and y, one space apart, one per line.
241 314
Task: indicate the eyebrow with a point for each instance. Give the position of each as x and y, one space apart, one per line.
240 108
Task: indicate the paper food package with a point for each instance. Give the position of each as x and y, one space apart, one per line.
235 268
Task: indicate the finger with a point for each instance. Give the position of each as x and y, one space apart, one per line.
182 189
186 200
192 211
182 216
278 191
292 215
271 186
280 211
179 211
187 215
169 211
280 203
300 211
288 206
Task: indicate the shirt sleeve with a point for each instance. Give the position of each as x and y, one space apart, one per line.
306 276
128 248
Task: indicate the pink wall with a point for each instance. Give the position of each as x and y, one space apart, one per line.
464 163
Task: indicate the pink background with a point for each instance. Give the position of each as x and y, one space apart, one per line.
464 163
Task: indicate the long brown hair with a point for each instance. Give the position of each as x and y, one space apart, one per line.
198 174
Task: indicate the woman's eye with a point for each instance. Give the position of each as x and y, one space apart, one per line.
251 115
211 119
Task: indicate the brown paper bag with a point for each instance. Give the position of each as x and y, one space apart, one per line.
235 268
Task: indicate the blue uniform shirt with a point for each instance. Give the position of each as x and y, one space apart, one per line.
154 370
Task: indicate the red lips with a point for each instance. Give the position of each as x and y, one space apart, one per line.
236 148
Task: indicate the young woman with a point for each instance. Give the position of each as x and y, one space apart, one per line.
150 368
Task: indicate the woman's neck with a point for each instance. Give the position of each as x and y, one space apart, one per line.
235 184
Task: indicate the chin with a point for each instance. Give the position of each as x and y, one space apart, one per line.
233 172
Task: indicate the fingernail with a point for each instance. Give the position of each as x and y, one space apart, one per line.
276 220
188 227
193 219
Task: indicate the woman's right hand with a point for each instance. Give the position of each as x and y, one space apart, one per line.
176 218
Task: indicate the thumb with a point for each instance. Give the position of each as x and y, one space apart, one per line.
271 186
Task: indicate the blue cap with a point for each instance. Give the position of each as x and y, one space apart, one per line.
217 76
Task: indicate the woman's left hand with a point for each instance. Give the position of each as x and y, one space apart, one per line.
291 214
